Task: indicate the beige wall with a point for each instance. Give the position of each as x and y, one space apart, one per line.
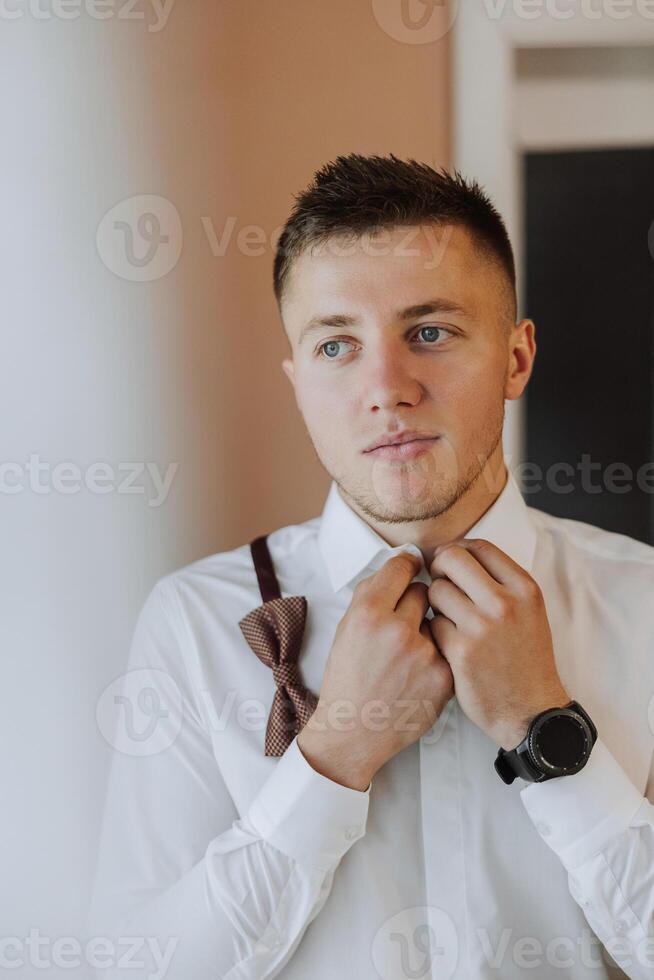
260 98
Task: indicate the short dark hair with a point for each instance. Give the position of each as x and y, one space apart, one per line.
354 195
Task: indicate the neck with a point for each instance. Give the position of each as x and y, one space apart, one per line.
455 522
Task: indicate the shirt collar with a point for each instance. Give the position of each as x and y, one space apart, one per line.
352 549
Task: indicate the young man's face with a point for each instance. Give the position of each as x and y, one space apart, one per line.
444 373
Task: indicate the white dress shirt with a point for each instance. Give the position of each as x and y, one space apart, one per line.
242 866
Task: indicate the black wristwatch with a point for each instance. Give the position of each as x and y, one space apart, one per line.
558 743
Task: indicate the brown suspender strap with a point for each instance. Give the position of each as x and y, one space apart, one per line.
268 584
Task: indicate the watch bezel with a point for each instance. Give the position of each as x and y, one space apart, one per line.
535 753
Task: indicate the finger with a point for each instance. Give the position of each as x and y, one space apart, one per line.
388 584
413 604
443 631
496 562
447 598
426 630
461 566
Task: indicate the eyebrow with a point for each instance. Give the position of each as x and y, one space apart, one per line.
408 313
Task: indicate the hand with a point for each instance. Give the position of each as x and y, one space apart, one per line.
491 626
385 670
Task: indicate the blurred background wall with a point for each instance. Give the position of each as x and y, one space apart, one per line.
146 420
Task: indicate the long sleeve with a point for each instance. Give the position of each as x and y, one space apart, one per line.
209 894
602 829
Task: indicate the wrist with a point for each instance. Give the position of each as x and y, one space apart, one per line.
336 761
510 734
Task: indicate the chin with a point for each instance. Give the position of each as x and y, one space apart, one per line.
406 490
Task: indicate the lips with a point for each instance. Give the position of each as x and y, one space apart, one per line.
404 450
398 438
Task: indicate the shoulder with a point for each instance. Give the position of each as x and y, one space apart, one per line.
596 548
188 623
229 576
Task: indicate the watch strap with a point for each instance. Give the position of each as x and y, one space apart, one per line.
518 764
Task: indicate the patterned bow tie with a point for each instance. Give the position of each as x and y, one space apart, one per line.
274 631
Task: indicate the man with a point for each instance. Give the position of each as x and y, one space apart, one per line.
455 777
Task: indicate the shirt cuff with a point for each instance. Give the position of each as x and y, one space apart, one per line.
578 815
306 815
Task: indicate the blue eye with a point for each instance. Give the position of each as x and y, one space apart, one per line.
330 343
436 329
322 349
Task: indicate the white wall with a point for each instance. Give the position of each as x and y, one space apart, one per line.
89 373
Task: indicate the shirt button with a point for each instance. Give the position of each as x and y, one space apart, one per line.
544 829
352 833
588 905
620 927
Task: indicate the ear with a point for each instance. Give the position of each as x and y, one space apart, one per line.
522 351
289 370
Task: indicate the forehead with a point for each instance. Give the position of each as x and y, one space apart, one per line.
394 267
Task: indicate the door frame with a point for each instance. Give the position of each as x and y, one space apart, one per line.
484 87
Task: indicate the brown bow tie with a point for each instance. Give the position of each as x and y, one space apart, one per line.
274 631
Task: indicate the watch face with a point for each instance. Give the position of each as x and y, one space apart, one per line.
561 742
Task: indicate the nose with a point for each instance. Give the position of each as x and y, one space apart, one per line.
389 379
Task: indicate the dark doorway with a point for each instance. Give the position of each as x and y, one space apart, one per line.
590 292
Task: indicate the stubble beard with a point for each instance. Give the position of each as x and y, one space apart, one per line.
422 489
